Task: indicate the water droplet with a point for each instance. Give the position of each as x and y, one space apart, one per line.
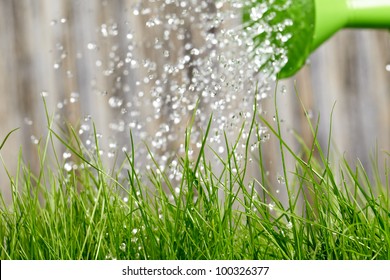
74 97
109 256
44 94
28 121
134 231
281 179
91 46
66 155
310 114
176 120
34 140
110 154
122 247
387 67
68 166
129 36
257 12
195 51
289 225
115 102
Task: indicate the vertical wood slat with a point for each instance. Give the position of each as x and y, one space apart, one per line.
348 70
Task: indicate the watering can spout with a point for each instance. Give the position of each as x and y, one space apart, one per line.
333 15
315 21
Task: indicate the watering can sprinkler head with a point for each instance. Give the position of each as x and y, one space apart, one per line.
312 22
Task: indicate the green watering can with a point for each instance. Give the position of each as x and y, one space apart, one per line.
312 22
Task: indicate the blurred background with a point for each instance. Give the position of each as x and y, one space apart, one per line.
64 50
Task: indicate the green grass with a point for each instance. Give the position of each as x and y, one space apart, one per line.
88 213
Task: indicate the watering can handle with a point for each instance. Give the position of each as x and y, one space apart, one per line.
332 15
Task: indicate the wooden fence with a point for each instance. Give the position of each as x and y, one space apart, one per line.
56 49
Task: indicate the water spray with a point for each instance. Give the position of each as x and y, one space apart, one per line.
312 22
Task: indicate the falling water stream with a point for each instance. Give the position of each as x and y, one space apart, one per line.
180 63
